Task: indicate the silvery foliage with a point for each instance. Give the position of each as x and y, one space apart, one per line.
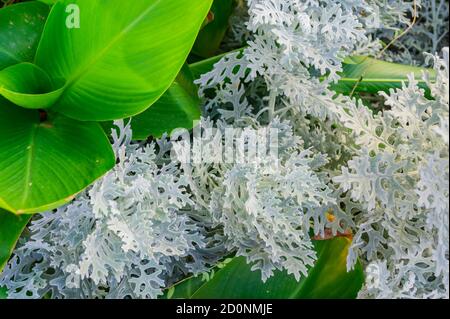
380 19
388 172
400 176
429 34
270 79
383 175
129 235
295 49
432 31
263 204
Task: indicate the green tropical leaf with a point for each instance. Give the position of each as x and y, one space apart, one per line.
28 86
327 279
46 162
11 227
21 27
179 107
122 58
365 74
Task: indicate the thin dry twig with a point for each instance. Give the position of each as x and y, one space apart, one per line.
392 42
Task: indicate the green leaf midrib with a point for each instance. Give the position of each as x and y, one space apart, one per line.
378 80
28 170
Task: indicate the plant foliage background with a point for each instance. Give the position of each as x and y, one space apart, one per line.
360 199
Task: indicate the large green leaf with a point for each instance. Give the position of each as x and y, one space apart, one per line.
50 2
177 108
209 39
45 162
29 86
21 27
123 57
327 279
3 293
11 226
360 74
365 74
